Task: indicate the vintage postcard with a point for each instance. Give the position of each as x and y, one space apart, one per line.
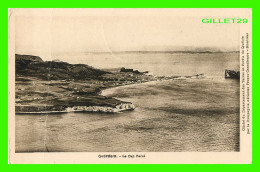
130 86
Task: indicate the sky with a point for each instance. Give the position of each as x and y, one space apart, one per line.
53 32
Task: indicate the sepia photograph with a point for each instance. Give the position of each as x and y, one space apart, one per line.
126 80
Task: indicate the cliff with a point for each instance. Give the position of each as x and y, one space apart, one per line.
28 58
34 66
57 109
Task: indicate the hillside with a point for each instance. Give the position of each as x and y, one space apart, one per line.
56 86
28 58
34 66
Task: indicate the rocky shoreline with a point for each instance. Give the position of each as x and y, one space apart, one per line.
58 109
120 107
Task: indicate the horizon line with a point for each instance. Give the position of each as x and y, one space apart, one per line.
96 52
170 51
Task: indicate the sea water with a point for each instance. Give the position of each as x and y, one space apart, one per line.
170 116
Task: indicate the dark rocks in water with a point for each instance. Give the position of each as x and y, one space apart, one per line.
232 74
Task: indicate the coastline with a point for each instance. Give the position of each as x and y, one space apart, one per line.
106 91
75 87
103 109
123 106
118 108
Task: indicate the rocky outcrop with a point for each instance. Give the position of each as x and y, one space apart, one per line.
34 66
129 70
119 108
30 58
232 74
22 61
57 109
